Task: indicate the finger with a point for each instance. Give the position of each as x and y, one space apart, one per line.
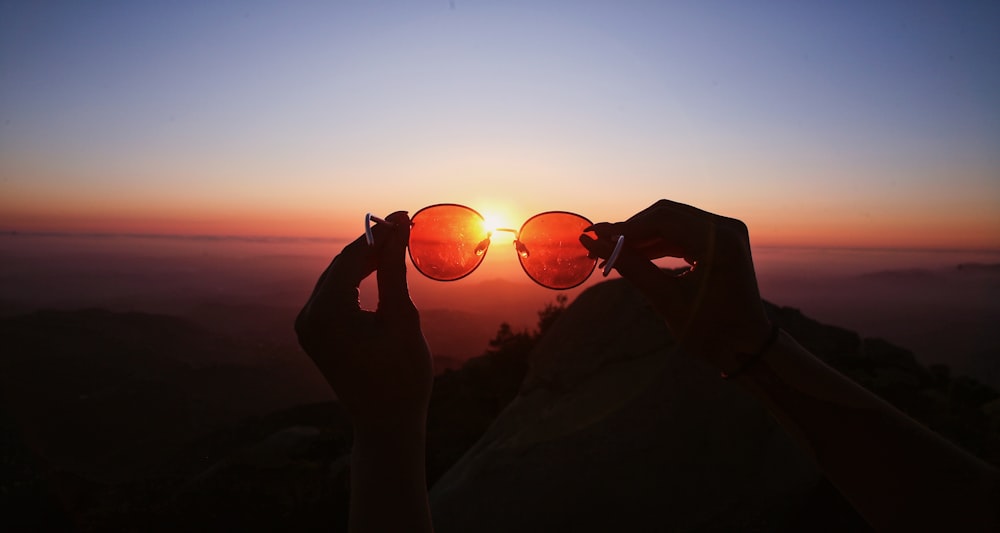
329 309
604 232
337 293
393 294
649 245
637 268
659 287
337 289
322 277
358 259
671 228
668 229
674 206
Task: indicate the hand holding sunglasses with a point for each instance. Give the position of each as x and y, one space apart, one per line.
449 241
379 363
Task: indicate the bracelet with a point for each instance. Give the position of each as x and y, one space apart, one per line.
751 359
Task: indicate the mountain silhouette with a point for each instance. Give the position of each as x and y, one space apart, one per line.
107 395
595 422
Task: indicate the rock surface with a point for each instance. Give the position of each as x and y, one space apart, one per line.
614 429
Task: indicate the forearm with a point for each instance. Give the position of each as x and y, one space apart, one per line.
388 480
896 472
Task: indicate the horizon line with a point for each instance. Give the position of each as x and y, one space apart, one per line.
171 236
304 239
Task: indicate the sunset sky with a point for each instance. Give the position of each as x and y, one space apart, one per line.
825 124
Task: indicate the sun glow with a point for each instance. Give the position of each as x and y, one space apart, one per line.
492 222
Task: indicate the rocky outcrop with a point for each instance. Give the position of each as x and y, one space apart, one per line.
615 429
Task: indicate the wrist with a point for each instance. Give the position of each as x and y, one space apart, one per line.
744 361
396 426
388 471
403 449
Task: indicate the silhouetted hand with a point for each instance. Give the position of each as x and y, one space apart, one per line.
714 309
379 366
377 362
900 476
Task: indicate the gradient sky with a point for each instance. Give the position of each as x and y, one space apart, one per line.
819 123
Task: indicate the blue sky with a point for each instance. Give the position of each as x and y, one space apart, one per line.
841 114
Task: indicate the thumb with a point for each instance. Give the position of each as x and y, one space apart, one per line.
393 293
659 288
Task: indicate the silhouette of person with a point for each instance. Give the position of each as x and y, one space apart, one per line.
898 474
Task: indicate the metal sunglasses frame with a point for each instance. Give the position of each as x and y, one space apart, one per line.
519 247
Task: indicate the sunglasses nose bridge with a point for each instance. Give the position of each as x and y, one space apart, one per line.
522 250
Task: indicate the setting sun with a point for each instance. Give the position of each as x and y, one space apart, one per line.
492 221
323 256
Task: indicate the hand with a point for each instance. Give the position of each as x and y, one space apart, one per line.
377 362
900 476
714 309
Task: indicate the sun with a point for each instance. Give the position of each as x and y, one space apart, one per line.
493 221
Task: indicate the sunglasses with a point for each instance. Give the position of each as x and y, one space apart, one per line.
449 241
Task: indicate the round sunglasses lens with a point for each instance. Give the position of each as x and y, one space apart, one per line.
447 242
550 251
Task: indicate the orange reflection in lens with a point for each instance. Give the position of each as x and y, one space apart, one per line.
447 241
550 251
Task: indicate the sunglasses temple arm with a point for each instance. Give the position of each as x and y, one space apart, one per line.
613 258
369 218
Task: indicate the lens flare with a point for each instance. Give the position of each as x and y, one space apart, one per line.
493 221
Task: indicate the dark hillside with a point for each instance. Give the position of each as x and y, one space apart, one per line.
104 394
594 421
616 429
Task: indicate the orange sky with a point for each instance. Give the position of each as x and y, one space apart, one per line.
957 228
813 129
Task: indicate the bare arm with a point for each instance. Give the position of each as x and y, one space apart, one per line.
388 481
897 473
380 367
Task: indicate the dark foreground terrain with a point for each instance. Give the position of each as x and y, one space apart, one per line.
592 422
